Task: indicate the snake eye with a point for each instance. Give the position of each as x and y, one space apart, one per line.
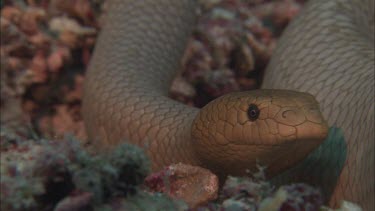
253 112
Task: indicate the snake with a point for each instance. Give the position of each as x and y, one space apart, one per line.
321 73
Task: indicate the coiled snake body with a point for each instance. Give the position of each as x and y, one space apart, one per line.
328 52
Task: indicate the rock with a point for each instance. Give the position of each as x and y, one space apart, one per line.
193 184
74 203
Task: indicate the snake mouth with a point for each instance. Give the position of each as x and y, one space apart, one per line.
307 132
312 132
237 156
239 159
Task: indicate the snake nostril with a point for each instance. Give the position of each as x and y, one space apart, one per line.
291 116
314 115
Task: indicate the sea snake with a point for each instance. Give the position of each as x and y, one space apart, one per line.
327 52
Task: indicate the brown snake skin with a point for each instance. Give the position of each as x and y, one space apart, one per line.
138 51
329 52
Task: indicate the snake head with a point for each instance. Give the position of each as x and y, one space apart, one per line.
274 128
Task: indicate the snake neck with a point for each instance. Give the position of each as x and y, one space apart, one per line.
126 89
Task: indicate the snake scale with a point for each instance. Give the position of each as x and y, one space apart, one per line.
327 52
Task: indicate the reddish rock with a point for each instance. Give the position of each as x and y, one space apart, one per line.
193 184
75 203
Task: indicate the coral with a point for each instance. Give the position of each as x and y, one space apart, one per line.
144 201
244 192
275 201
231 46
18 193
114 174
294 197
44 48
255 193
38 174
33 173
43 174
11 137
345 206
250 195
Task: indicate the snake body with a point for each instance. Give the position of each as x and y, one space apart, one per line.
126 98
328 51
